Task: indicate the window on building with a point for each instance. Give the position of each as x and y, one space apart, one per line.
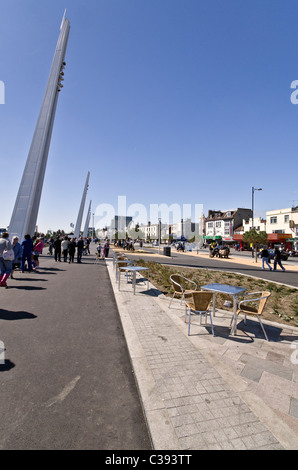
273 220
287 218
210 224
218 224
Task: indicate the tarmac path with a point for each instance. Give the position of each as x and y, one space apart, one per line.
67 381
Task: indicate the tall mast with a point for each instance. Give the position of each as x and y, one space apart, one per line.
25 212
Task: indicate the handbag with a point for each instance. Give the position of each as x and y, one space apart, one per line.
8 255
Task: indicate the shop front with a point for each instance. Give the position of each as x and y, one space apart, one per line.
239 243
273 239
279 239
208 239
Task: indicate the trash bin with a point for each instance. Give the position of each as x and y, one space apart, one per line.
167 251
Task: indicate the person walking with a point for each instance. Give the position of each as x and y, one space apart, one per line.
5 264
87 248
106 248
103 252
64 247
38 247
27 245
80 246
57 249
277 260
51 244
71 250
98 250
18 250
265 258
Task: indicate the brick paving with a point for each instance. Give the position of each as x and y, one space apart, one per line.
194 400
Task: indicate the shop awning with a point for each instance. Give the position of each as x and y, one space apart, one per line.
275 237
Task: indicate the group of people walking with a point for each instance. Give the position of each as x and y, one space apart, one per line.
103 251
266 260
66 248
18 255
25 255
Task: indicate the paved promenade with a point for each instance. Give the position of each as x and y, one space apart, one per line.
70 369
205 392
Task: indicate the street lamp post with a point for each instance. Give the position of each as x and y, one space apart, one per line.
252 203
252 207
159 234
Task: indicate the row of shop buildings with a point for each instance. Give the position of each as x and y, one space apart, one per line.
227 227
281 226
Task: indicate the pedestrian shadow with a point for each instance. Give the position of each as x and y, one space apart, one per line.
21 315
7 365
49 270
27 287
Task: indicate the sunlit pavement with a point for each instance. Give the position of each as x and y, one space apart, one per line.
205 392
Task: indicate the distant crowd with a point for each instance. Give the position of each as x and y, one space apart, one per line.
24 256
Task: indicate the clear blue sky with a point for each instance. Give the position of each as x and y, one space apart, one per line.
164 101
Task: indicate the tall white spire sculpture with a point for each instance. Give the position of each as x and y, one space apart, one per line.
26 207
85 233
81 210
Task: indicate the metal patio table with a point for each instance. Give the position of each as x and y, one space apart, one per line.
133 270
119 261
234 291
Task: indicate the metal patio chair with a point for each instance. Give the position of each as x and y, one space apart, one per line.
177 280
199 304
252 309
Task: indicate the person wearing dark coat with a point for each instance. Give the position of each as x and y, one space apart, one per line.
71 250
57 249
80 246
265 258
27 246
277 260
